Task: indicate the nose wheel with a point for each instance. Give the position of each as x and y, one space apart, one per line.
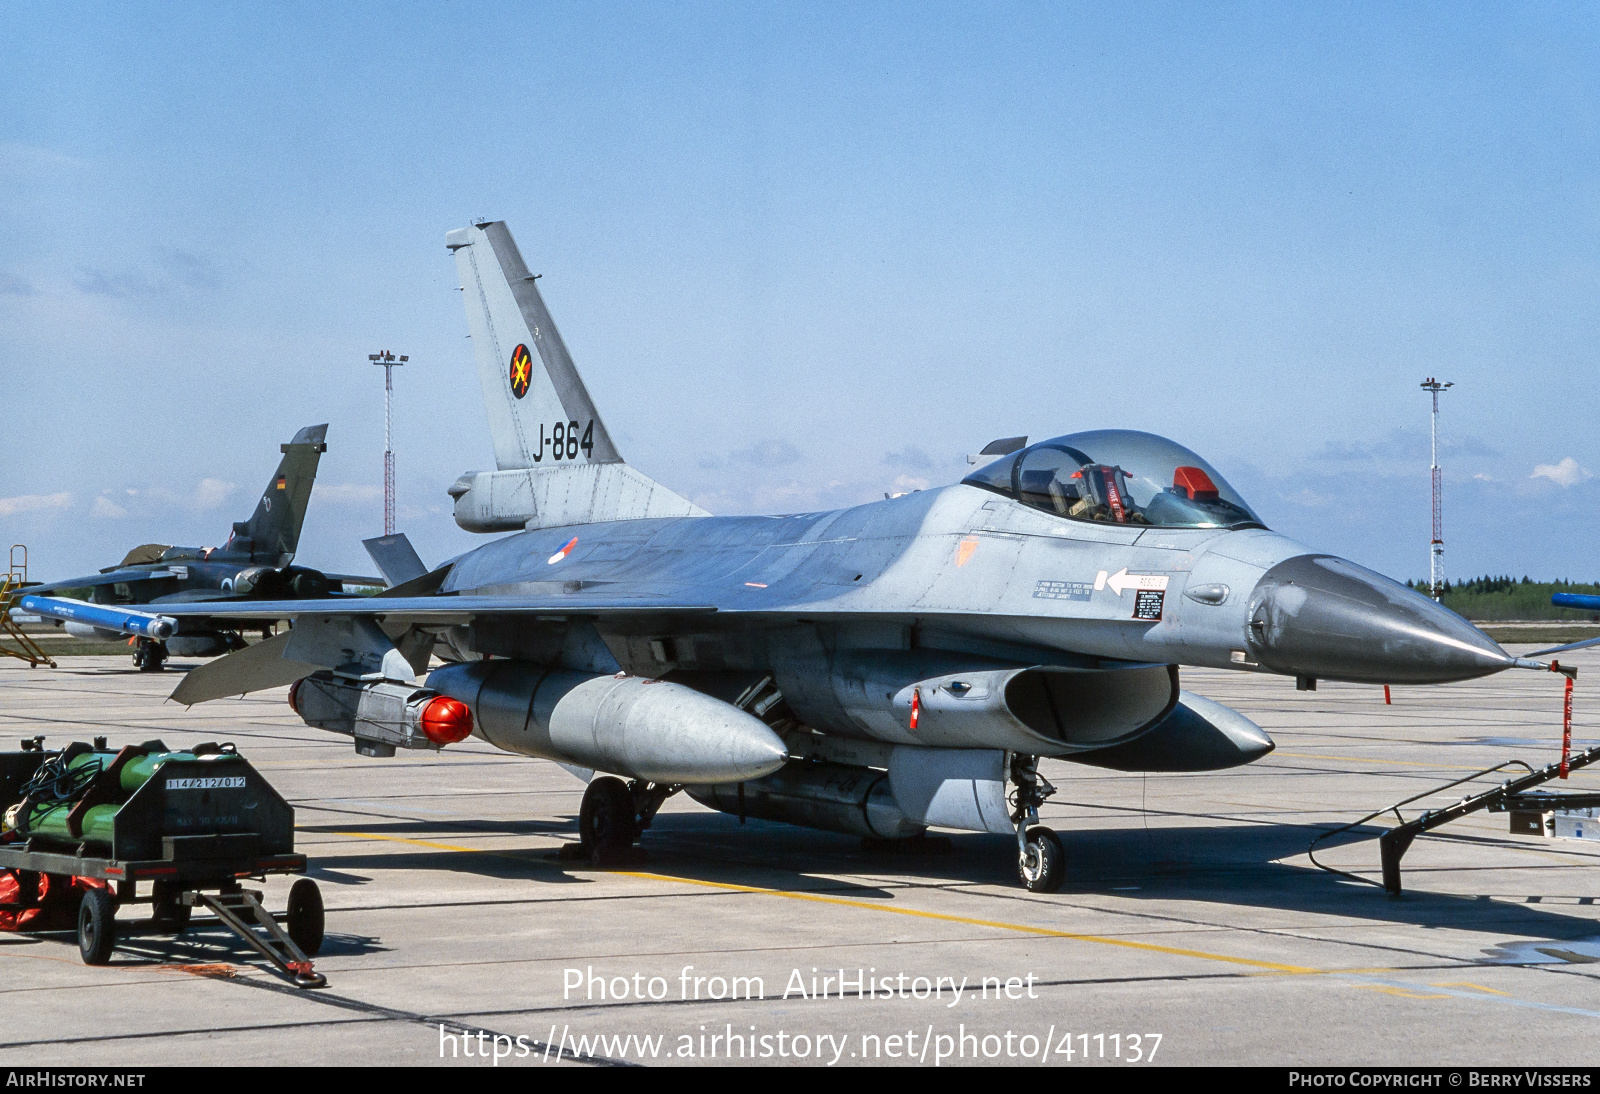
1041 862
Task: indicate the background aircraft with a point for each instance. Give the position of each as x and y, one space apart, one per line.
255 563
878 670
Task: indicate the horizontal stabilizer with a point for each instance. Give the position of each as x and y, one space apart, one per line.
395 558
254 668
555 497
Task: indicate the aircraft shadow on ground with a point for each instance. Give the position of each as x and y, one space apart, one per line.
445 829
1232 864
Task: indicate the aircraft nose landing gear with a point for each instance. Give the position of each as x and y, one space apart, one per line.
1041 862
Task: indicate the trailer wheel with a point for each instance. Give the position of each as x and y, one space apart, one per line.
606 820
305 917
97 927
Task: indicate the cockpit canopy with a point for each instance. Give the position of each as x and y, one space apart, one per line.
1118 476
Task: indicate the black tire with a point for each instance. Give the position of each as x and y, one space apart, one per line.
149 656
305 919
1045 867
165 909
606 821
97 927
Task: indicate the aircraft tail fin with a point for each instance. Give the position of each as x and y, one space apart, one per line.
556 461
535 397
272 533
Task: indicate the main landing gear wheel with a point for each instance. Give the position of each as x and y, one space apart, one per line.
304 920
97 927
1042 864
606 821
149 656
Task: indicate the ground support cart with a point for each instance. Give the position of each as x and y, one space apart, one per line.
191 831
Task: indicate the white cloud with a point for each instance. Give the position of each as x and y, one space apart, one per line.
31 503
768 453
28 159
1565 473
908 483
212 493
105 507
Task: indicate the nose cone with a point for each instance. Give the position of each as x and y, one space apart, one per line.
1317 615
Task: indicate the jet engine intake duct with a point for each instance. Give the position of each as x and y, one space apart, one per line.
967 701
1199 735
629 725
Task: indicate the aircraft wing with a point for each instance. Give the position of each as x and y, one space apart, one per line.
115 577
357 579
418 609
1585 644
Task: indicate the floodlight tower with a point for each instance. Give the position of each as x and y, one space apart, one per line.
1436 556
389 362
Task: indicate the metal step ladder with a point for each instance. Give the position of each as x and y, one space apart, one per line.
14 642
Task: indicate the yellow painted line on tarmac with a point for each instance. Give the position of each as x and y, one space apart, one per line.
844 902
1465 984
1047 932
1401 992
417 842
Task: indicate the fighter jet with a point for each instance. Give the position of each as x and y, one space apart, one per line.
876 670
255 563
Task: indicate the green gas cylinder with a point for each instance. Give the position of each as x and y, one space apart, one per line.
51 821
135 773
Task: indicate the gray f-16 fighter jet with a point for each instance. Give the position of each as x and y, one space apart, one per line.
255 563
876 670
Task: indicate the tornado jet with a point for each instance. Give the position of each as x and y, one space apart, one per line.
877 670
256 563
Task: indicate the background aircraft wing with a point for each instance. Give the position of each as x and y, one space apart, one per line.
115 577
1585 644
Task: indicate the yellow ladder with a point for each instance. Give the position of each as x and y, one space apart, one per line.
11 590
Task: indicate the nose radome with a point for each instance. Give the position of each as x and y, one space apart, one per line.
1317 615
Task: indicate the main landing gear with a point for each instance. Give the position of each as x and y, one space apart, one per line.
613 816
148 655
1041 863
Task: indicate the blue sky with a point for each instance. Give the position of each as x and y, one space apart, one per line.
807 254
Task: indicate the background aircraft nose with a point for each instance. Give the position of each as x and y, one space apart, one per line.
1317 615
